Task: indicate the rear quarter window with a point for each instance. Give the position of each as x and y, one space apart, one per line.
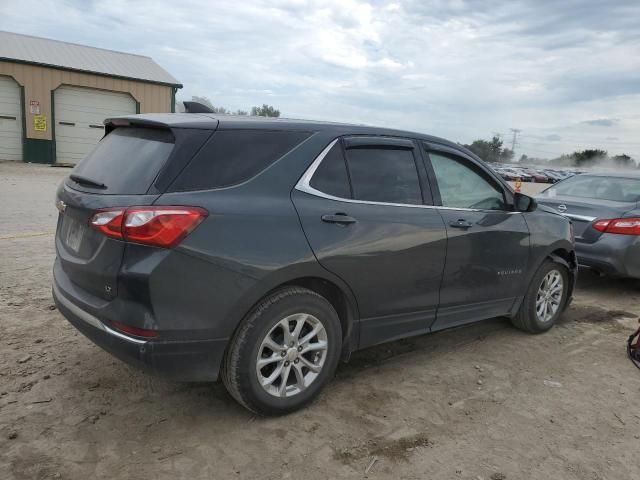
127 160
231 157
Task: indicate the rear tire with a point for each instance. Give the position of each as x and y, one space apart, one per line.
284 352
545 299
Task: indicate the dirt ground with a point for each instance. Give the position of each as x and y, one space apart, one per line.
479 402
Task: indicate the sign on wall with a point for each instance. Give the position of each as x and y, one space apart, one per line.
40 123
34 107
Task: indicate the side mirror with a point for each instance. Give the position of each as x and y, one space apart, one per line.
524 203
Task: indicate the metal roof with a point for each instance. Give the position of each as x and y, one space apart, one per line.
71 56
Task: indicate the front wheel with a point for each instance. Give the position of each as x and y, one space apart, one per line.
545 299
286 350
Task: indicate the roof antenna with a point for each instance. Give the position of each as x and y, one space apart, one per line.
195 107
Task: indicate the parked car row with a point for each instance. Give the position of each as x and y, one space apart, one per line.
530 174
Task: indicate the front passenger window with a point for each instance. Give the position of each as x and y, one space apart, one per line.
462 187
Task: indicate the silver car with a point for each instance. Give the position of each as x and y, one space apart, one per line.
605 212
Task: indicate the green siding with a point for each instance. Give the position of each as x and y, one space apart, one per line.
39 151
24 124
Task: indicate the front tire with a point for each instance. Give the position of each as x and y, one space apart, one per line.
284 352
545 299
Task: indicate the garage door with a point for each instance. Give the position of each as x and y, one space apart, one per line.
79 113
10 120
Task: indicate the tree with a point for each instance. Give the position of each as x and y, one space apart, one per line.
265 111
506 155
582 158
491 151
496 147
482 148
564 161
623 160
589 157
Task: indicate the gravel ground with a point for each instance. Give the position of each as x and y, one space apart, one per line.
479 402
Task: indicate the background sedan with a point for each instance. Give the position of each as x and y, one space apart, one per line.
606 218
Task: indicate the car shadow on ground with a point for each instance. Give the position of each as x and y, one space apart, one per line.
365 363
590 281
422 349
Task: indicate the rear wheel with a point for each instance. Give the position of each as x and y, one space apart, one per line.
545 299
286 350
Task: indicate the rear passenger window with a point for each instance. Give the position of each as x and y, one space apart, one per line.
234 156
386 175
331 176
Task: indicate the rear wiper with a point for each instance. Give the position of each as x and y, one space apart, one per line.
87 181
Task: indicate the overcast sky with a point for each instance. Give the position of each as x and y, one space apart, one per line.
567 73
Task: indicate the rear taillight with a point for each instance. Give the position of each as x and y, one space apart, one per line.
109 222
157 226
621 226
161 226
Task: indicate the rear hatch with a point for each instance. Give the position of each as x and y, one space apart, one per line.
125 169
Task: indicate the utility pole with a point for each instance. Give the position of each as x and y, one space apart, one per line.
515 131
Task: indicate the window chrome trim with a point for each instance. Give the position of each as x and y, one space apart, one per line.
304 185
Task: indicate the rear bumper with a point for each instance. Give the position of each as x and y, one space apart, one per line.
614 255
183 360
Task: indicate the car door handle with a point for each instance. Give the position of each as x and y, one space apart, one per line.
340 218
461 223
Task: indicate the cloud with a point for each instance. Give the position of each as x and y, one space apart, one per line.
461 69
601 122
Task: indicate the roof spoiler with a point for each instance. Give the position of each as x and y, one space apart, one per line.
112 123
195 107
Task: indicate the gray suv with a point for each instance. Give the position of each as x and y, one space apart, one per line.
264 251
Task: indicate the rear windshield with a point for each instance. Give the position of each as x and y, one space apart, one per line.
231 157
126 161
600 188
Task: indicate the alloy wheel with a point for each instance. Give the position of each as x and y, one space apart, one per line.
549 296
291 355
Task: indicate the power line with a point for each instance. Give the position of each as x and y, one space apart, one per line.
515 131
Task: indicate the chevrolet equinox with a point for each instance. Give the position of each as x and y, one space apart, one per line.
264 251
